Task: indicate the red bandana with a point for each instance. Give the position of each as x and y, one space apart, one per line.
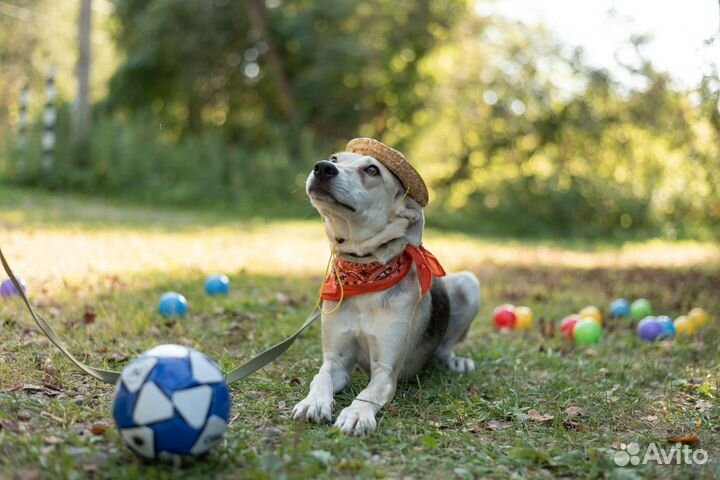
358 278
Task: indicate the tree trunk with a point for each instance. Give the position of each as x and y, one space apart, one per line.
258 19
83 112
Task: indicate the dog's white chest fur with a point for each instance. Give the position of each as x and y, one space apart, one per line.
373 323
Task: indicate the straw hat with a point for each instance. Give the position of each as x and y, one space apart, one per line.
396 162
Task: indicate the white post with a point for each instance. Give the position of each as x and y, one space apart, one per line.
49 119
23 118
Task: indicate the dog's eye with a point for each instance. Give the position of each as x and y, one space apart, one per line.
333 158
372 170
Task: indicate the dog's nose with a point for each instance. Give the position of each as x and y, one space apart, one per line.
324 169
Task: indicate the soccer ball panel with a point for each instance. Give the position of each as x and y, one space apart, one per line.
211 435
122 407
152 405
221 401
135 374
172 374
141 440
175 436
193 404
203 369
168 351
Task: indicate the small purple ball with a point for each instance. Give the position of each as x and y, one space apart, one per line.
7 289
649 329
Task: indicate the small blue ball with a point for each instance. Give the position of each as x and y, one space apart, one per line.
620 308
668 328
217 284
172 304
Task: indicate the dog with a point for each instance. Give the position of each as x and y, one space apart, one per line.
370 220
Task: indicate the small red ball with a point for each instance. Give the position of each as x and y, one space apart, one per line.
568 324
504 317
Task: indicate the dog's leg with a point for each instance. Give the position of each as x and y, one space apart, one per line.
359 417
464 293
386 353
339 355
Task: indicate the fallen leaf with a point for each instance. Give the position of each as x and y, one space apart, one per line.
498 424
89 316
650 418
474 390
117 357
575 411
536 416
49 368
98 429
475 429
576 426
284 299
686 439
10 426
703 405
33 388
52 440
28 474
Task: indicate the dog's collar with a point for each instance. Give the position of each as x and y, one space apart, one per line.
340 241
359 278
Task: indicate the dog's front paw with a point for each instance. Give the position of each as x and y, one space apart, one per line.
357 420
313 410
460 364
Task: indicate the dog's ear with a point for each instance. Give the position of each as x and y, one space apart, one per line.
413 212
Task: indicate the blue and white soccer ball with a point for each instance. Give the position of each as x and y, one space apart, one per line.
171 400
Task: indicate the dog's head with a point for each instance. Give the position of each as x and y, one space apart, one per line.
364 207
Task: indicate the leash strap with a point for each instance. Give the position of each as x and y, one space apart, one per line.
111 376
267 356
107 376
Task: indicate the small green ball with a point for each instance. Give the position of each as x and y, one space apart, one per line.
640 309
587 331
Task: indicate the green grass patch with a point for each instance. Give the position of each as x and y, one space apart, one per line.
535 407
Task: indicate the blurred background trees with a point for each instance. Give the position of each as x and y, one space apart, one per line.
231 103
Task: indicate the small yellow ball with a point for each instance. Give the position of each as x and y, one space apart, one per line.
524 318
591 312
683 326
698 317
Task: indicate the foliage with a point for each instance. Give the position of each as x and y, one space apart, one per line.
131 160
514 131
531 130
329 67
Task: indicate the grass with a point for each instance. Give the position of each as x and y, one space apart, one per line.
511 417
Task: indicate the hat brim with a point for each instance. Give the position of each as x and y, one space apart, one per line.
396 163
